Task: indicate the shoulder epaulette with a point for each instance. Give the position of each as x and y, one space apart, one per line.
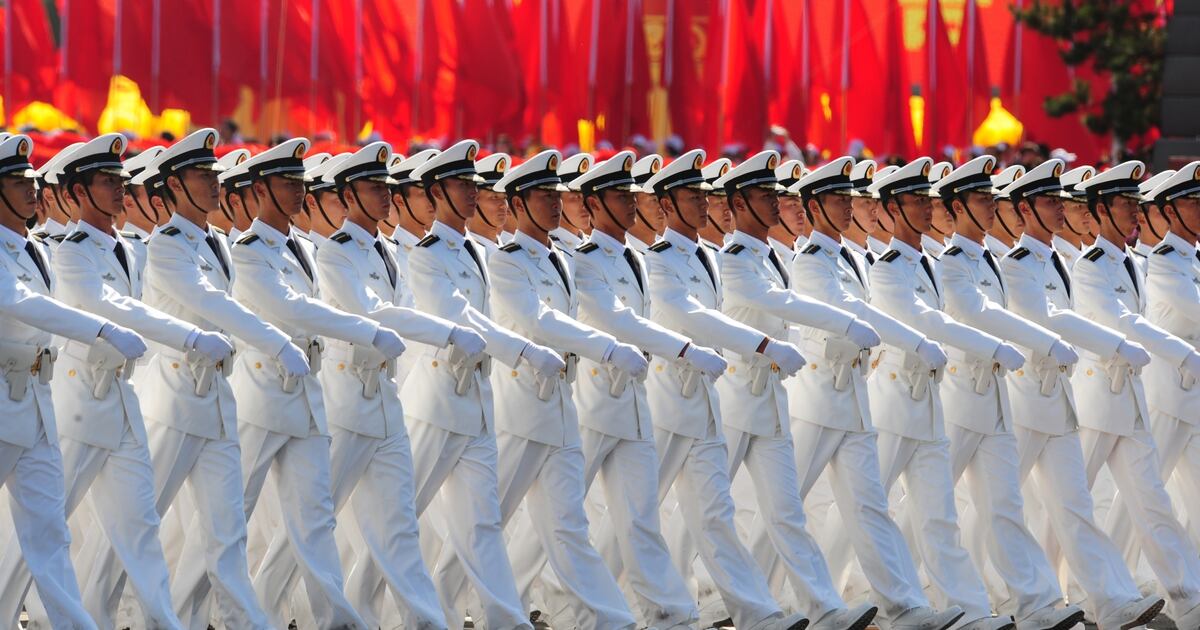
78 237
554 238
58 238
734 249
170 230
428 240
341 237
246 239
1018 253
660 246
952 251
216 229
133 235
37 236
587 248
890 255
510 248
1164 249
812 248
1094 254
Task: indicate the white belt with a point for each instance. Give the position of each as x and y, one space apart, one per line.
19 361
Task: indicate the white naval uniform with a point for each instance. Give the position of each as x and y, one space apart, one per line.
997 246
1172 303
685 296
137 239
401 245
757 427
876 246
567 242
286 431
453 439
1068 252
785 253
832 428
541 457
193 438
933 246
1141 256
1114 425
370 456
107 456
617 435
31 466
907 410
975 401
1046 426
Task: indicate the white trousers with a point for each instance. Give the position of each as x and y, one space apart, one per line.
1057 479
550 480
989 464
780 523
462 470
702 523
212 471
851 462
375 477
119 485
628 536
924 470
34 479
1136 470
1178 444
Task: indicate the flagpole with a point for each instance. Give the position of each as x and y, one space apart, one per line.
8 62
843 123
313 57
358 66
216 63
728 29
418 66
971 17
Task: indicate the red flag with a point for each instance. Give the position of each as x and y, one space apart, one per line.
693 70
490 96
29 73
86 58
742 107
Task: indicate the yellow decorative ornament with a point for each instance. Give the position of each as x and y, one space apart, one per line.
1000 126
43 116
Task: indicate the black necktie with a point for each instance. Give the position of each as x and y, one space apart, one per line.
36 255
1062 271
562 273
850 261
631 258
707 266
295 249
1198 255
991 261
1132 274
470 247
778 266
870 258
387 262
216 250
929 271
119 250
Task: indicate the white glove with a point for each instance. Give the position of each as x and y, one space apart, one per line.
628 359
1009 357
467 340
1133 353
705 360
862 334
544 360
930 352
128 343
294 361
1192 364
1063 353
388 343
785 355
213 345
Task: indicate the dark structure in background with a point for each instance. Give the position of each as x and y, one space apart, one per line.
1180 142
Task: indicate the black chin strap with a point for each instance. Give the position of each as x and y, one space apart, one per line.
186 193
483 217
1108 215
10 208
1067 221
1179 215
675 204
275 201
408 209
141 209
904 215
1004 224
603 204
528 211
226 211
753 212
88 190
971 215
1149 223
450 201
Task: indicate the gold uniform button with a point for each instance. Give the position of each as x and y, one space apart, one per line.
341 366
70 372
435 363
175 366
514 373
953 370
1020 372
257 365
657 368
1089 372
812 365
732 369
892 375
595 371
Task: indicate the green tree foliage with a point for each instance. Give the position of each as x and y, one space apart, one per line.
1125 40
